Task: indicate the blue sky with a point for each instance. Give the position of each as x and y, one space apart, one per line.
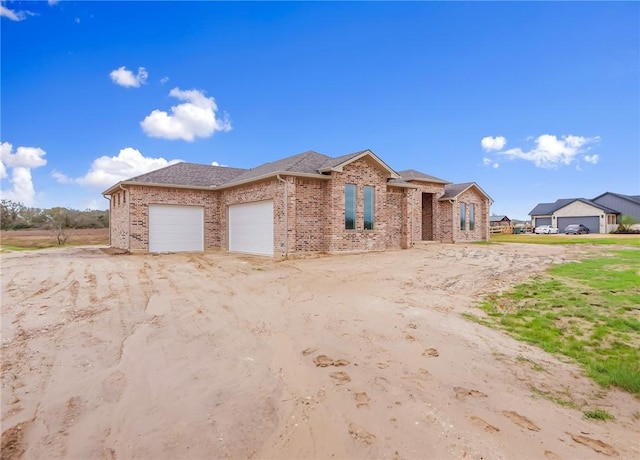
533 101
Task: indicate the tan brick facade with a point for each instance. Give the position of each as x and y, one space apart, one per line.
313 219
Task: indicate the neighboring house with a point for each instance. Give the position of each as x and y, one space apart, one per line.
625 204
596 217
499 221
305 203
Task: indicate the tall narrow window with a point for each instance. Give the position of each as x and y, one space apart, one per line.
350 207
368 207
472 216
463 216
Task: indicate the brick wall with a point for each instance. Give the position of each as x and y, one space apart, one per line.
446 220
270 189
426 226
394 217
481 227
119 220
140 197
361 172
309 216
315 211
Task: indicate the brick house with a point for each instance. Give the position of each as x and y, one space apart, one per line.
304 203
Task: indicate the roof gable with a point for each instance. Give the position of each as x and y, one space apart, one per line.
452 191
413 175
303 163
633 198
337 164
546 209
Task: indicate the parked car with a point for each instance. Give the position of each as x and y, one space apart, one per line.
575 229
546 229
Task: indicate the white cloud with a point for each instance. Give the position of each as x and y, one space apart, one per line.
106 171
194 118
493 143
215 163
551 151
61 178
52 2
14 15
593 159
163 80
126 78
489 162
21 162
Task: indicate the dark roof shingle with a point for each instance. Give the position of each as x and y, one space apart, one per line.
546 209
412 174
307 162
189 174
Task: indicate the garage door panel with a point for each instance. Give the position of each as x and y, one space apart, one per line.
176 228
543 221
251 228
591 222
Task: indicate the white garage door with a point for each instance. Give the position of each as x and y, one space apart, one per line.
176 228
251 228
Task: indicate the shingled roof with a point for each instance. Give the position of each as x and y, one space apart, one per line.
308 163
546 209
632 198
412 174
451 191
189 174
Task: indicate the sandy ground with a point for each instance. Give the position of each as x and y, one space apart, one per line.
214 355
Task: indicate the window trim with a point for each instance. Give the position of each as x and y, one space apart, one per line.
463 216
472 216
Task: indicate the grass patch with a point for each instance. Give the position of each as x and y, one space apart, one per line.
33 239
618 240
588 311
598 414
566 401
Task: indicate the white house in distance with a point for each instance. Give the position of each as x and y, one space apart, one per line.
600 214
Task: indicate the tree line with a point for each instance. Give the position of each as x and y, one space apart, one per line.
17 216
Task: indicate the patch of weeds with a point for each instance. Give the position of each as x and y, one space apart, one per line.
475 319
535 366
598 414
570 403
8 247
586 311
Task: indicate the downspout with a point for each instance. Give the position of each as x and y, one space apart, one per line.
286 219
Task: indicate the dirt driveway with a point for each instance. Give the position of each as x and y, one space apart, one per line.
220 356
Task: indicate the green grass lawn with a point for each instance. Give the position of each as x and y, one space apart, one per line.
620 240
588 311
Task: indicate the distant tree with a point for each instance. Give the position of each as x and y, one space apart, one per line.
59 223
625 224
10 213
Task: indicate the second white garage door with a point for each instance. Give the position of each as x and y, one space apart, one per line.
251 228
176 228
